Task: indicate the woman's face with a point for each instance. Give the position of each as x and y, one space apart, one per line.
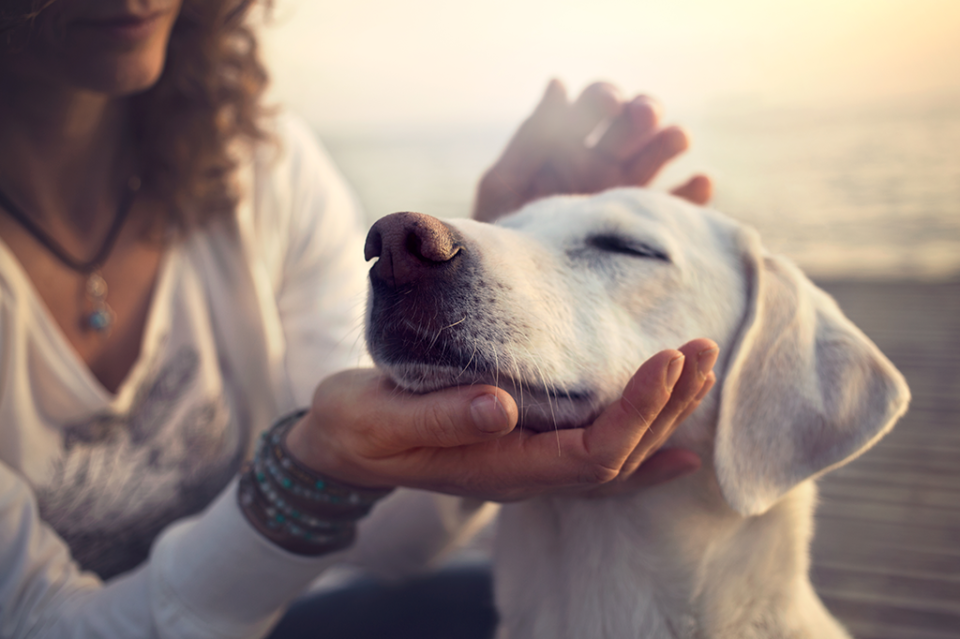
115 47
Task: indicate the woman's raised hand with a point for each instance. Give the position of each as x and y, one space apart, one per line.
552 152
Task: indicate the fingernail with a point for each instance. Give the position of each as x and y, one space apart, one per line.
555 91
705 361
707 386
644 111
673 372
675 140
489 415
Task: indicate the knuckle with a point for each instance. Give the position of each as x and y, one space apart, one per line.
369 436
431 424
492 180
371 442
596 474
662 398
488 176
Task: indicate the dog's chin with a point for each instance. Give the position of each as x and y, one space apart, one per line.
540 409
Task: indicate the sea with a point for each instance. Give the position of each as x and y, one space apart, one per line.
867 192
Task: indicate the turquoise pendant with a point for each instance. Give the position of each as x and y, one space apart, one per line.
102 316
100 320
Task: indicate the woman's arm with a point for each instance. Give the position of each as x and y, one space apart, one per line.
209 577
307 233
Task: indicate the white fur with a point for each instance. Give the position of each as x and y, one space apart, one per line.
719 554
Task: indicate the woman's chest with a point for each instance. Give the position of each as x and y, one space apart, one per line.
112 470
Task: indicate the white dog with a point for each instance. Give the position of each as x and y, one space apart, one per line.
558 304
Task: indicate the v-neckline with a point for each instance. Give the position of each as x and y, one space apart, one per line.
72 362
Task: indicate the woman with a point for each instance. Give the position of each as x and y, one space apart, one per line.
177 269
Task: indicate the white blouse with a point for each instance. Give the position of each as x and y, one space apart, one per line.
247 317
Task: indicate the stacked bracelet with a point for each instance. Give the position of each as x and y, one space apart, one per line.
297 508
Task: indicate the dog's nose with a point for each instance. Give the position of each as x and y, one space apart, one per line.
411 247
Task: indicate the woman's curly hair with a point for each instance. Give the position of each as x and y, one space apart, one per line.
187 125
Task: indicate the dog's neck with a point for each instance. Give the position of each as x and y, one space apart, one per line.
672 561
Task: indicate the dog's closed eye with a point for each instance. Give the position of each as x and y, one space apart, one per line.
624 245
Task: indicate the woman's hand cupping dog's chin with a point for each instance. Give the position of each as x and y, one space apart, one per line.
363 430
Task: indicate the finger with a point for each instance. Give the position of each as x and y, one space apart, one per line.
698 190
660 149
621 426
515 466
708 384
700 356
631 130
531 144
573 167
506 185
447 418
364 415
662 466
598 102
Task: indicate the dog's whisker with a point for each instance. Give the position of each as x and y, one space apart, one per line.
460 321
466 366
550 403
522 405
443 328
359 345
496 368
637 411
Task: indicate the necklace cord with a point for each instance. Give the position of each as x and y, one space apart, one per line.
56 249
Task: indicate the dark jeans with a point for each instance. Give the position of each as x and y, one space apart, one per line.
451 604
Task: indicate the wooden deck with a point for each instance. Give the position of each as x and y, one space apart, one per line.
886 557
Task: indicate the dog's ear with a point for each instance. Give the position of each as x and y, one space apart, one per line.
804 392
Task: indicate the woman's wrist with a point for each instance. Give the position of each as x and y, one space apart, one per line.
297 508
283 532
304 443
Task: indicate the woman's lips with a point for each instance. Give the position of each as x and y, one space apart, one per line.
128 28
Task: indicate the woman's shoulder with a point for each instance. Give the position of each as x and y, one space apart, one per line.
292 172
293 152
296 203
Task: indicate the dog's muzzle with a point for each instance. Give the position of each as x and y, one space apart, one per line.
421 285
437 318
415 250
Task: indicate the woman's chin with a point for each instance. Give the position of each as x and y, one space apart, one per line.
107 53
125 78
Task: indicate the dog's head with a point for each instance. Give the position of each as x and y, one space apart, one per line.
560 302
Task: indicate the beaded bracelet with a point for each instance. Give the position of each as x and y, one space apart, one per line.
286 532
300 510
303 482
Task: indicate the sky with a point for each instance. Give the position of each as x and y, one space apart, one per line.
371 62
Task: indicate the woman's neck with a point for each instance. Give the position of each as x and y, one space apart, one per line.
63 154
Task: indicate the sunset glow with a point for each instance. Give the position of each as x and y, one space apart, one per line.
429 60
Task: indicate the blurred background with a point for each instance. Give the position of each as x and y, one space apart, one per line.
833 126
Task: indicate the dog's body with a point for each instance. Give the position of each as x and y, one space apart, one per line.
559 304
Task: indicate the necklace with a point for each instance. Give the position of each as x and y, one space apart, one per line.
101 317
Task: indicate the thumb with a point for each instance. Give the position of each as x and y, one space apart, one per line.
450 417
